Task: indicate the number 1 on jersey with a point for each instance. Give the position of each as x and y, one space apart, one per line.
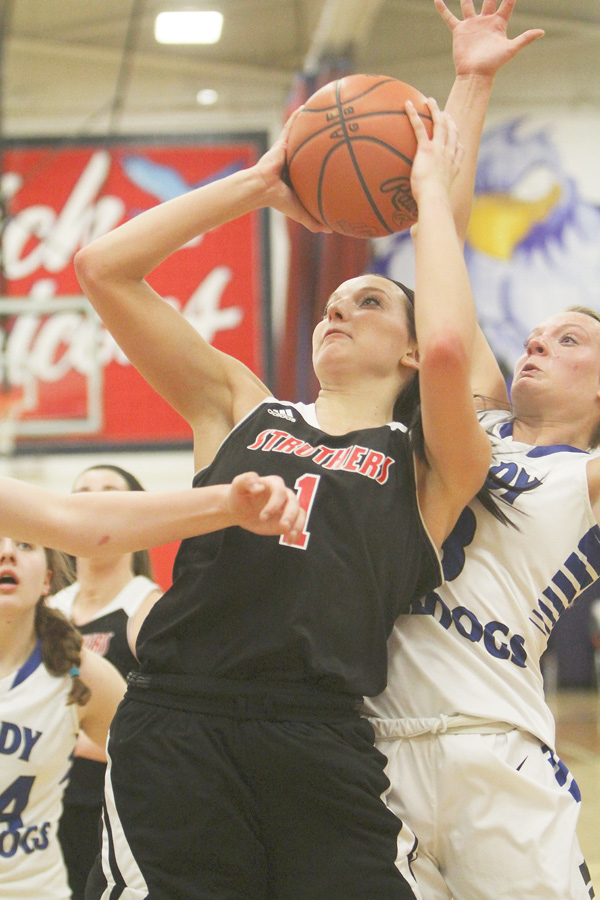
306 488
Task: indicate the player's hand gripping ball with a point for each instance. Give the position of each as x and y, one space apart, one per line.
350 152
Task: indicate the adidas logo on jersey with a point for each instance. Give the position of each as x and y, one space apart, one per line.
282 414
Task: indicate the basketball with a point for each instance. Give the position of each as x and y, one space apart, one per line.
350 152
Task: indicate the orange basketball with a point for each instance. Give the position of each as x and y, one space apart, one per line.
350 152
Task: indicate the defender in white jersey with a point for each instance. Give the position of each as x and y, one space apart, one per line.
463 721
469 738
49 688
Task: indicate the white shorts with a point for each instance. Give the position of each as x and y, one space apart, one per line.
495 814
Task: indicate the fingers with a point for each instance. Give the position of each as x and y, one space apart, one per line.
416 121
467 7
528 37
438 156
444 126
272 486
248 481
277 497
287 126
290 205
302 216
264 505
505 11
292 518
448 17
438 117
282 510
278 194
488 7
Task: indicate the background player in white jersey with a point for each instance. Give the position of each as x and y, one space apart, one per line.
109 593
49 688
261 649
464 723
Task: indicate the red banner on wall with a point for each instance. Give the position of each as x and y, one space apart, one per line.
55 354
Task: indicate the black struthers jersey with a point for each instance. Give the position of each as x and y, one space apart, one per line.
316 612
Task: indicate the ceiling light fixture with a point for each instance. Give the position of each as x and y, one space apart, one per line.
188 27
207 97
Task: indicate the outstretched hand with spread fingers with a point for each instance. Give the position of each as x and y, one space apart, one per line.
480 43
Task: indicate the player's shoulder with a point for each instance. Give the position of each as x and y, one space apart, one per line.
63 600
498 421
135 593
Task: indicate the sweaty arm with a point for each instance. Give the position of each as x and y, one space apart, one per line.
107 688
480 48
105 522
457 448
211 390
88 749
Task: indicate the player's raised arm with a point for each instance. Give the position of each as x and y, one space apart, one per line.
211 390
457 448
480 47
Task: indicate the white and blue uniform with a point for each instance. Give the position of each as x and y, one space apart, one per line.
37 736
463 721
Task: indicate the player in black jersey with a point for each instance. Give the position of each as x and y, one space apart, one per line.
239 764
106 598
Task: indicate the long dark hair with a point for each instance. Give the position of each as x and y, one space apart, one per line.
141 563
407 409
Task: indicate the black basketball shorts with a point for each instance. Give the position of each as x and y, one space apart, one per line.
219 807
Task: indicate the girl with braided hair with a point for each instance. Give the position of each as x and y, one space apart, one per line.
50 687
